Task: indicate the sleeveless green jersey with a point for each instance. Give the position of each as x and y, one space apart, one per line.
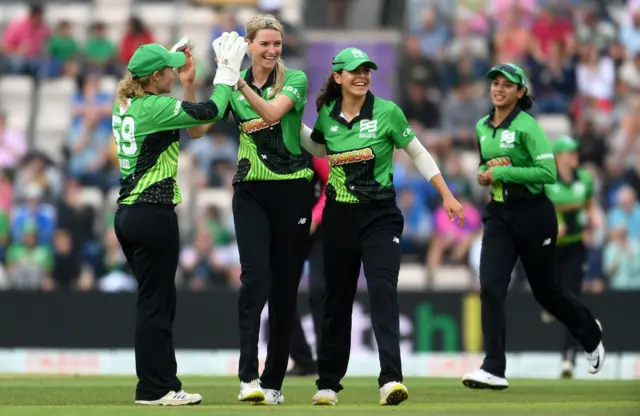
360 152
570 199
146 132
271 152
519 152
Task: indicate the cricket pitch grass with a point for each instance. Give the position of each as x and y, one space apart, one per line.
93 396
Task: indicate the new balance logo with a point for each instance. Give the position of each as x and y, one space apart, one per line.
396 240
302 221
546 242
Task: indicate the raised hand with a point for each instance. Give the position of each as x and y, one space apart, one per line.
230 49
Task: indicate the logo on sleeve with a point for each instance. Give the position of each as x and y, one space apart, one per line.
368 129
508 139
407 132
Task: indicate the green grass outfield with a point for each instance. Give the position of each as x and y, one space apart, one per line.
92 396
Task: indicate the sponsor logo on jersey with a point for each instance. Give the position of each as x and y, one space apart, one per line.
499 161
368 129
255 125
353 156
177 108
293 90
508 139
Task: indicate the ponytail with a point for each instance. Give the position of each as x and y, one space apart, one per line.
279 81
129 87
330 91
525 102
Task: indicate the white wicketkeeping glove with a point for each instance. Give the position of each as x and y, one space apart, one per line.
230 49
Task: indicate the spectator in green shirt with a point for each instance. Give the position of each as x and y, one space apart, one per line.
29 265
63 51
100 53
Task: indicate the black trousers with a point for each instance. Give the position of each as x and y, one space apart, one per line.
300 349
356 234
272 221
528 229
149 236
570 268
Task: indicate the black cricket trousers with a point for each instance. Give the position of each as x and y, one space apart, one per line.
272 221
355 234
570 267
300 349
150 240
527 228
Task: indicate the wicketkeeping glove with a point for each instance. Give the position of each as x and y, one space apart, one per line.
230 49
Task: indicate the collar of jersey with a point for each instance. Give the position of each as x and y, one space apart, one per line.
506 122
271 79
366 112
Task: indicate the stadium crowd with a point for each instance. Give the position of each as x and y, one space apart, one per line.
583 58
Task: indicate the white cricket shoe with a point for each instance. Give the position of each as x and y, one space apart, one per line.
272 397
325 397
481 379
393 393
596 357
181 398
251 392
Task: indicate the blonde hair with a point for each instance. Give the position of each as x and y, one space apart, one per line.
129 87
268 21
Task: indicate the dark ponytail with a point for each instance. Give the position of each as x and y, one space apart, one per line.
330 91
525 102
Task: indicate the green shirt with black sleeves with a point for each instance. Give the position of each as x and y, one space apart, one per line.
519 152
271 152
360 152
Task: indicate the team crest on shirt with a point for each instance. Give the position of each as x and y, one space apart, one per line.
508 139
368 129
579 188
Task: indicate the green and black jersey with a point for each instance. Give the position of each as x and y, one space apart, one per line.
519 153
360 152
146 132
271 152
571 199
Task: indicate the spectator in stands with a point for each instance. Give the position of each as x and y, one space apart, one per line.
62 51
67 264
629 75
34 214
513 41
38 169
418 226
29 264
5 211
89 138
627 211
622 258
24 40
216 147
78 221
461 111
454 174
552 25
629 34
214 223
137 35
13 144
416 68
100 52
591 29
338 13
625 143
419 108
449 238
596 75
467 43
198 264
553 79
592 142
118 276
433 33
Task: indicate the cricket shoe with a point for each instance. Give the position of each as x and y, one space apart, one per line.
393 393
596 357
481 379
567 369
181 398
325 397
271 397
251 392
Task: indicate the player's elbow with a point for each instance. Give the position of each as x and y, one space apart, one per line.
549 176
